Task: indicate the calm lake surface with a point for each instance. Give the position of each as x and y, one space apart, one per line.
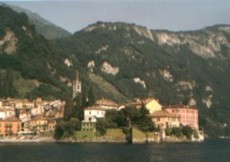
209 150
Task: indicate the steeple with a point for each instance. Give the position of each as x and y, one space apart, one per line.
76 85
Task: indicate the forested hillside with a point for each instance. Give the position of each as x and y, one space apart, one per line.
175 67
121 61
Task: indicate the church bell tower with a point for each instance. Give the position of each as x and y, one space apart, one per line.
76 85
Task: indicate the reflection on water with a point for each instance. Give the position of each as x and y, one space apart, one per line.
210 150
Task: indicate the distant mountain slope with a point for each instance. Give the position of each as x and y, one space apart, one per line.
175 67
27 57
43 27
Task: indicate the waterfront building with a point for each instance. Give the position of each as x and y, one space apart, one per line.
163 119
6 113
150 103
188 115
91 114
10 126
41 124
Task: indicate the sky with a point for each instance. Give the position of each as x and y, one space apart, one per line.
174 15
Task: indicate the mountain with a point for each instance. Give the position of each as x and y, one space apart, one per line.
176 67
28 67
121 61
42 26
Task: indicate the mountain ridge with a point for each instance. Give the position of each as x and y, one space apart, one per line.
44 27
127 62
175 38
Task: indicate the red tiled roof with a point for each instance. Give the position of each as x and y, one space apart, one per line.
178 107
11 119
94 108
163 113
106 102
39 117
4 110
140 101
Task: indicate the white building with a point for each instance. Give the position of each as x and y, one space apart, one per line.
6 113
37 111
2 114
91 114
25 116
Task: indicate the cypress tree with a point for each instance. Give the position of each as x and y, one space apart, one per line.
1 85
91 98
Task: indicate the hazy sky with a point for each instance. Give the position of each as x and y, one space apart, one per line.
173 15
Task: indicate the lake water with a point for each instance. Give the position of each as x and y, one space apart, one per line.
209 150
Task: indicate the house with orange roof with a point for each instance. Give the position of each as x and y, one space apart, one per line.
150 103
107 104
21 103
163 119
10 126
59 113
42 124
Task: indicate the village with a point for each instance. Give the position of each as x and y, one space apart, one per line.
21 119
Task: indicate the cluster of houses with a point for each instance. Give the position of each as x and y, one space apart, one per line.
163 117
24 117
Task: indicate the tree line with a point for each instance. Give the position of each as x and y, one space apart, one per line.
7 88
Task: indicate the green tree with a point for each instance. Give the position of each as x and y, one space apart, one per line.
145 121
84 102
177 131
59 131
8 84
187 131
195 133
91 98
143 111
1 85
64 129
112 118
76 123
168 131
101 126
68 110
147 125
78 110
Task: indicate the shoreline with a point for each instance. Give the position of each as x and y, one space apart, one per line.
37 140
52 140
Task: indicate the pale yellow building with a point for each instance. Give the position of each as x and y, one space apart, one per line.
150 103
153 105
163 119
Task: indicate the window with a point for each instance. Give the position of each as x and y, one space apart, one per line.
158 119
